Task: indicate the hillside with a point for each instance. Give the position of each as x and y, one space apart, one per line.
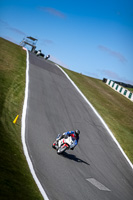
16 181
115 109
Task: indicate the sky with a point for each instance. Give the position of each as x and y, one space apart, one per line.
94 38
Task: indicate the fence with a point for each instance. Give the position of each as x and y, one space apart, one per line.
123 91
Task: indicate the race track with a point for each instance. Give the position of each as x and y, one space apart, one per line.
96 169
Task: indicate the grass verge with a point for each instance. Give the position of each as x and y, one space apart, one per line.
16 181
115 109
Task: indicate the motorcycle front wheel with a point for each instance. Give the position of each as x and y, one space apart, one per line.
61 149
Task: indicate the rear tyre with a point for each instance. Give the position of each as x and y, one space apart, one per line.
54 145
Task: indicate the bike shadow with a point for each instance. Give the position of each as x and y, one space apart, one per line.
73 157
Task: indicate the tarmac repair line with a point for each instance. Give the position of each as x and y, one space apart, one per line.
98 184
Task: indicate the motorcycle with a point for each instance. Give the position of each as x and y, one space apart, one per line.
61 145
48 56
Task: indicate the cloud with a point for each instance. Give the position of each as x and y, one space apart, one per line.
53 11
115 54
17 31
3 22
114 76
110 74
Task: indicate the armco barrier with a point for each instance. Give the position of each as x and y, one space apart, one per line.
120 89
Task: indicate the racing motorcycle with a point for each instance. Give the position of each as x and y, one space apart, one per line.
61 145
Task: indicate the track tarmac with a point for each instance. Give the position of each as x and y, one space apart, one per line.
95 169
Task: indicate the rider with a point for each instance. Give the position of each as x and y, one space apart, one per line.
73 134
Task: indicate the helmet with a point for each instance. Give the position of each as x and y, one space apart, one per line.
77 132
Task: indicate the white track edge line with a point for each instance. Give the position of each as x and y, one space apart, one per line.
105 125
23 132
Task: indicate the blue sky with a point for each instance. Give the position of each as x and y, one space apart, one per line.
94 38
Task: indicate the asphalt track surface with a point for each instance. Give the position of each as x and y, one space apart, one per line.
96 169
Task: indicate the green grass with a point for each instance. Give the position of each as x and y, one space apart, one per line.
130 89
115 109
16 181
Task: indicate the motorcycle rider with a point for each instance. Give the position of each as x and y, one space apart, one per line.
73 134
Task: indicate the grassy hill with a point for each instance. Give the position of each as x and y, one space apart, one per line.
115 109
16 181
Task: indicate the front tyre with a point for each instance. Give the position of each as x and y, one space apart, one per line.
61 149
